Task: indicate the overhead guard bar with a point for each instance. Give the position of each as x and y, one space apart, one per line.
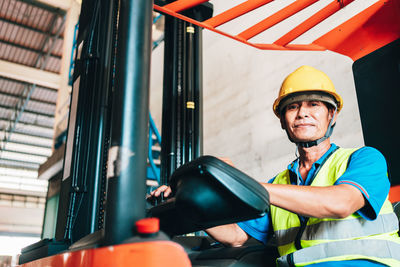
181 5
275 18
315 19
235 12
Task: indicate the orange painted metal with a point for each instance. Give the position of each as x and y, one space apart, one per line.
274 19
144 254
235 12
366 32
394 194
206 26
181 5
371 29
148 225
315 19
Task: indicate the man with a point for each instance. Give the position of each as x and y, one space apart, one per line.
330 206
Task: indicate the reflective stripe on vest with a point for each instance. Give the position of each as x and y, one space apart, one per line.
346 229
383 251
319 232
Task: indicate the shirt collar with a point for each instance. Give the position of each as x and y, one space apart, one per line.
292 167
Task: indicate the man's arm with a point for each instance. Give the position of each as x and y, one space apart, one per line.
230 235
337 201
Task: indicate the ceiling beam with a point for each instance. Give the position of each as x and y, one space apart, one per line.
24 149
61 4
28 144
51 8
30 49
16 168
29 74
30 28
11 163
28 135
20 83
38 127
19 164
32 99
32 112
9 155
26 153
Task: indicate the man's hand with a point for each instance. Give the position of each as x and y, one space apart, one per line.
227 161
162 189
159 195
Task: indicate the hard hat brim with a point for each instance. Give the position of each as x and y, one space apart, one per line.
277 103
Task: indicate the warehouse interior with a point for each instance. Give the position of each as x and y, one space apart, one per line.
39 42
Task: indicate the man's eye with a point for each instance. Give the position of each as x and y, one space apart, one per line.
292 107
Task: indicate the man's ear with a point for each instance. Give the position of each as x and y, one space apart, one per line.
283 123
331 114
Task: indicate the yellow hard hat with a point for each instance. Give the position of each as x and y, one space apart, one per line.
308 80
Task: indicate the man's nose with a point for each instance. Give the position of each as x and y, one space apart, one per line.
302 111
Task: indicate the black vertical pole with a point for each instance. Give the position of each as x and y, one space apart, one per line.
169 105
198 95
174 98
190 108
128 152
182 91
198 88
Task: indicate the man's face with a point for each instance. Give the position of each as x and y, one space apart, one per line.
306 120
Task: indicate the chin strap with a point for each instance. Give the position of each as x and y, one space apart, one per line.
327 134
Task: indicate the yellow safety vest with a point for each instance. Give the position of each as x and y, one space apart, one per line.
320 240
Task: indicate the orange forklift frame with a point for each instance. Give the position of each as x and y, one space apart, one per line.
156 253
362 34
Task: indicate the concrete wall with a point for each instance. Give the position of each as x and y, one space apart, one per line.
240 85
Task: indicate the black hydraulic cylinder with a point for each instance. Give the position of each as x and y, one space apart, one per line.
189 105
127 156
201 13
182 93
169 105
198 92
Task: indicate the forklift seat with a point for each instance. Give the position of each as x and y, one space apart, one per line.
208 192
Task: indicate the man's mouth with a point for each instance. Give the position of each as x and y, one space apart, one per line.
303 125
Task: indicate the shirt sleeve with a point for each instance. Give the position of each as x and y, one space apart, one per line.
257 228
260 228
367 171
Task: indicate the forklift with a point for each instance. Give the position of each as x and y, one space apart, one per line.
103 218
